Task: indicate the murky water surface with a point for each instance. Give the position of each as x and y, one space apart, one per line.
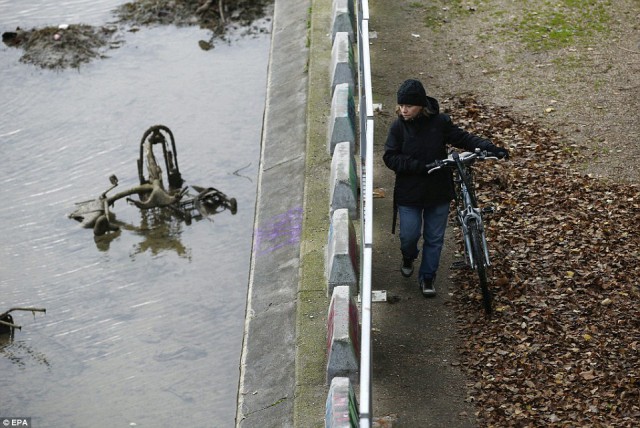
145 328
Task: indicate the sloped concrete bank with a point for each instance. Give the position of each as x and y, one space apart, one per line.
284 379
267 372
283 369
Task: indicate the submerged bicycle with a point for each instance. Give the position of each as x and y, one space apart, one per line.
469 214
95 213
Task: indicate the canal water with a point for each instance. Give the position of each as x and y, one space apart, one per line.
144 328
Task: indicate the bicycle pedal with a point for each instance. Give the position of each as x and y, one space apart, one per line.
488 210
459 265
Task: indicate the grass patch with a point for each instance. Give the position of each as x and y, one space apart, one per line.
549 25
540 25
438 13
570 61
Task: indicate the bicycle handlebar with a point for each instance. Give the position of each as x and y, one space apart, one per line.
464 157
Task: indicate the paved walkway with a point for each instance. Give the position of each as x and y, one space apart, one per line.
417 381
417 378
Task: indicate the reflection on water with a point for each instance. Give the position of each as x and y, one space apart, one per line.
144 327
158 231
20 353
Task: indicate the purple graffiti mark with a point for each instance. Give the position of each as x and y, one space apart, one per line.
279 231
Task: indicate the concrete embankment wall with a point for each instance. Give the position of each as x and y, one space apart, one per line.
267 367
301 328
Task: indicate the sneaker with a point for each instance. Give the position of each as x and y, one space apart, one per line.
427 287
407 267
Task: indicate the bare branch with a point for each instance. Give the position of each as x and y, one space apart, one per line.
2 315
10 325
206 5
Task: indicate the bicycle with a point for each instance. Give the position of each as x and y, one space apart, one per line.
469 215
95 213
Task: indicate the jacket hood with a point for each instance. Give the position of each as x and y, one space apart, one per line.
432 104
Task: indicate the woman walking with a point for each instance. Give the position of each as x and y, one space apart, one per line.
419 136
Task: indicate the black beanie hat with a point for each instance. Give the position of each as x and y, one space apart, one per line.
411 92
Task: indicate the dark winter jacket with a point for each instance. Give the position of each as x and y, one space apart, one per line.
413 144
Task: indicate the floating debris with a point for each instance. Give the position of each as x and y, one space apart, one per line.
63 46
70 46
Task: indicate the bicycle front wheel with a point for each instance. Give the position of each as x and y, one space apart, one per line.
477 251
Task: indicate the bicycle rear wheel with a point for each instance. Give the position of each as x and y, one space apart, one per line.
480 262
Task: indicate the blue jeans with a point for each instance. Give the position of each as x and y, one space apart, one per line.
431 223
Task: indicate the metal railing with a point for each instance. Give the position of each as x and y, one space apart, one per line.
365 114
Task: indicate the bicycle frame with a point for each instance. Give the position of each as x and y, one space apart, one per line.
467 209
469 216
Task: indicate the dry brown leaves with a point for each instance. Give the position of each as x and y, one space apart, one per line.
563 345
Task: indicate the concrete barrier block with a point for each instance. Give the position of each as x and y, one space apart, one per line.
342 405
341 264
342 18
343 335
342 118
342 63
343 181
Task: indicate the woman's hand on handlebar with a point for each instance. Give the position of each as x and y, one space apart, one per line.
499 152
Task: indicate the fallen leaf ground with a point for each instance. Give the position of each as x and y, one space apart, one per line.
563 345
